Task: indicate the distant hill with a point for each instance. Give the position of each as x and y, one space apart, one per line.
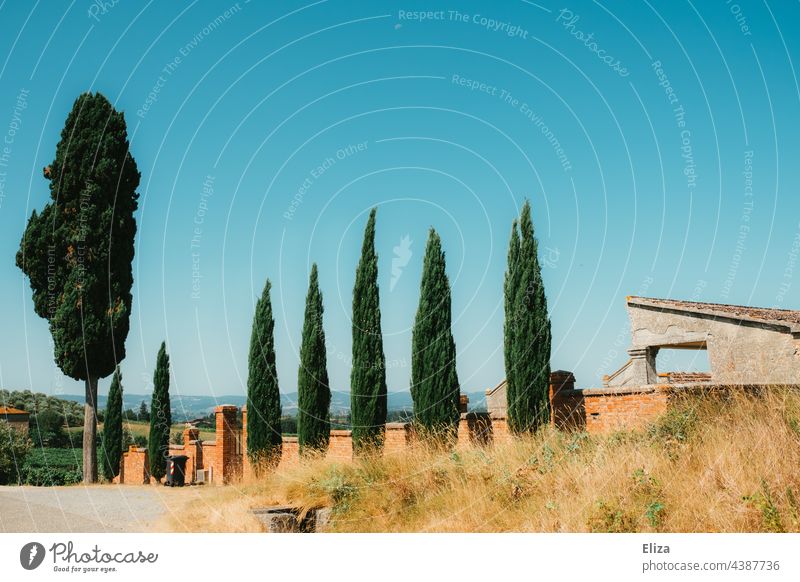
190 406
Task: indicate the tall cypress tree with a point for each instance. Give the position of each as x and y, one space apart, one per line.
434 380
160 416
263 397
368 375
509 303
78 251
112 428
528 406
313 390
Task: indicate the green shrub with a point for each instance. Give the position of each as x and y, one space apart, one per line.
611 518
14 448
674 426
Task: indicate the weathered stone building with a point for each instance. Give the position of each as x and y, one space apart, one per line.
747 347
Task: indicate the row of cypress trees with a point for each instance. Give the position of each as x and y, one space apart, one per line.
434 379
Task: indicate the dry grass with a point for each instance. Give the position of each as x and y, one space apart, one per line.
712 464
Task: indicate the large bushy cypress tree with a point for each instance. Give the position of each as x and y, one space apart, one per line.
160 416
368 375
263 396
528 406
313 390
112 428
78 251
434 380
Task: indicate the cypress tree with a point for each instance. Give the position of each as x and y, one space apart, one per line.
313 390
368 375
160 416
77 252
528 406
112 428
434 380
509 324
263 397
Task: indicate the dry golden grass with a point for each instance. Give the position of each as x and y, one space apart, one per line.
712 464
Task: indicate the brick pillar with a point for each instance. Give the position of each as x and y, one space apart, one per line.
560 381
190 433
463 403
225 450
245 459
193 450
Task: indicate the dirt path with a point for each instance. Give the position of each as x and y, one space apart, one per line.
96 508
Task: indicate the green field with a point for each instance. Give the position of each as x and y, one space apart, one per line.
142 428
48 466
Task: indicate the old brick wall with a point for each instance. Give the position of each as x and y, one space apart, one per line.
474 429
397 438
340 447
500 430
290 452
623 409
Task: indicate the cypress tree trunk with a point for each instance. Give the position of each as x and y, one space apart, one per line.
509 302
434 379
112 428
528 406
263 396
160 416
368 398
90 431
313 390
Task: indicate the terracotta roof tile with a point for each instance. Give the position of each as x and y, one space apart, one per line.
10 410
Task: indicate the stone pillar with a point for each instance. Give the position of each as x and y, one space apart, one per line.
643 366
226 442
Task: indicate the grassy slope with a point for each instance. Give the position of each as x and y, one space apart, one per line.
711 465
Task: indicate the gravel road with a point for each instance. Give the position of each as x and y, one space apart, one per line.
96 508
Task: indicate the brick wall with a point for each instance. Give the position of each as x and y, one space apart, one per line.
340 447
607 410
290 453
500 431
474 429
398 437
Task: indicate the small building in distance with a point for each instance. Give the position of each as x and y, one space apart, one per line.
16 418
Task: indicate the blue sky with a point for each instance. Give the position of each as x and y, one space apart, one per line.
658 144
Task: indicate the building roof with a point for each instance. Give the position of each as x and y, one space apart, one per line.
785 318
8 410
491 391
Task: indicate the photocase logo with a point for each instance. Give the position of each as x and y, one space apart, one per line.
31 555
402 254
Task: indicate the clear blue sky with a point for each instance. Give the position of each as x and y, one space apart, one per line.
660 155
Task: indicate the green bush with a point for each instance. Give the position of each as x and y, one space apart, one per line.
47 429
14 448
